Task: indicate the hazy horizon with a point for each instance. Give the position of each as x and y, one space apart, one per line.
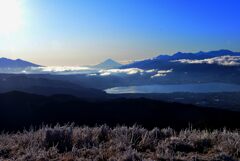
75 33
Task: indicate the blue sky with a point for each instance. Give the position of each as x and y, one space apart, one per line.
79 32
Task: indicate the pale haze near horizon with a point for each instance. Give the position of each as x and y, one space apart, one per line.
75 33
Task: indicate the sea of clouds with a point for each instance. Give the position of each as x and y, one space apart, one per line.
88 71
153 73
222 60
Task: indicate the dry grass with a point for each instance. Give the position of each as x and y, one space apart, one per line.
69 143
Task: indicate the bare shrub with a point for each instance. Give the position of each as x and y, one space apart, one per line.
202 145
5 153
61 137
69 143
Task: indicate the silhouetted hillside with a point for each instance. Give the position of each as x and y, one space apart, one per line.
19 110
45 86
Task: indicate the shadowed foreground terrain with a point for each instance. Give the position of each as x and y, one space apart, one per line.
19 110
69 143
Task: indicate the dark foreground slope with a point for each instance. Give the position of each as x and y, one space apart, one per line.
18 110
119 144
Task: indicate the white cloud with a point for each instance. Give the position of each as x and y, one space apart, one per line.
59 70
158 75
150 71
132 71
105 74
162 73
222 60
62 69
128 71
165 71
92 74
67 70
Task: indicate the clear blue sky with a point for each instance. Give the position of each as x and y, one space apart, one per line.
78 32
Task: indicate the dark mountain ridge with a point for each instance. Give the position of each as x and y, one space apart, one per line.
18 110
45 86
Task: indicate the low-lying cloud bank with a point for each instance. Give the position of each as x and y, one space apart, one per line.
63 69
222 60
128 71
88 71
153 73
58 70
162 73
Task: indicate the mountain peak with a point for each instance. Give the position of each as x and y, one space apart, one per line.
110 60
222 51
18 63
108 64
179 53
19 59
3 58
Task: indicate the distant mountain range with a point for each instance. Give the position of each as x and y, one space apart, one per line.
153 63
171 61
18 63
198 56
108 64
201 67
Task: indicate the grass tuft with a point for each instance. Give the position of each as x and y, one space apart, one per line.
69 143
